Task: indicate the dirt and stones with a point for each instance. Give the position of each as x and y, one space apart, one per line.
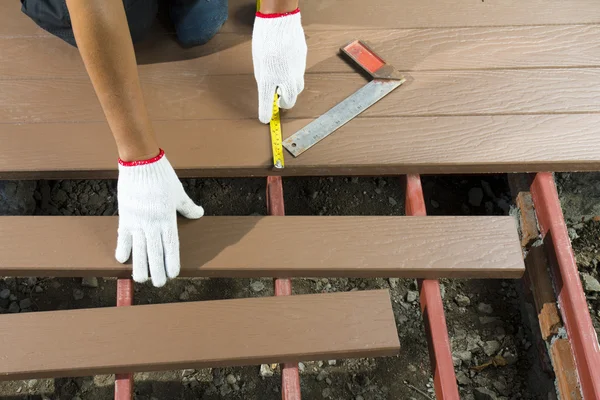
492 350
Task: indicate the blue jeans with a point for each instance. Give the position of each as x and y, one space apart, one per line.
195 21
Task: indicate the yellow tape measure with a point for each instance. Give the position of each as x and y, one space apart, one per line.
276 137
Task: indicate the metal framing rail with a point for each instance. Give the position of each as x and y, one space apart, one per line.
571 297
432 309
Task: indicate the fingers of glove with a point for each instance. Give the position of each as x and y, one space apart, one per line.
124 243
140 258
266 94
188 208
288 96
156 258
170 240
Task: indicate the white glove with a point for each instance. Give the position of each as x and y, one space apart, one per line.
149 195
279 57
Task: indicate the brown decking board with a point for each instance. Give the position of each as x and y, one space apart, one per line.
197 335
492 87
428 93
356 14
367 146
457 247
567 46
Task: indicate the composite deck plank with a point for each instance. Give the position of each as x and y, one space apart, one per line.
406 49
427 93
197 335
356 14
366 146
432 247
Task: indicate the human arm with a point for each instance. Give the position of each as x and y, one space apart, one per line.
102 34
149 192
279 55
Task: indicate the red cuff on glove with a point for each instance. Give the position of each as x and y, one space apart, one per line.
142 162
277 15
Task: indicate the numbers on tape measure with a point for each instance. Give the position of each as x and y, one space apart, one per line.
276 137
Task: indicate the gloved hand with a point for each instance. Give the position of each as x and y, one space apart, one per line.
279 57
149 195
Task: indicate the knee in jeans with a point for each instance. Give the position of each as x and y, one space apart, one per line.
201 22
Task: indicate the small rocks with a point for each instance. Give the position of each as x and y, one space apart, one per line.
225 390
464 356
25 303
482 393
185 295
301 367
491 347
487 320
78 294
462 378
485 308
39 289
322 375
12 297
331 362
326 393
475 196
13 308
462 300
231 379
412 296
4 294
266 371
392 201
257 286
394 282
590 283
91 282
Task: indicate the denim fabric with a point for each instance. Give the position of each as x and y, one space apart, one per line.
195 21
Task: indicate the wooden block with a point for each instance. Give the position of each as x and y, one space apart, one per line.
528 220
197 335
566 373
462 144
543 292
416 247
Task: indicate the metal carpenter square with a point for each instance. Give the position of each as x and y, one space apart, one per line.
386 79
339 115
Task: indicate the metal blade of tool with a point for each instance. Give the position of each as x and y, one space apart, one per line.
276 137
339 115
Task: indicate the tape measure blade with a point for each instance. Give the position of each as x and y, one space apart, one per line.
276 136
339 115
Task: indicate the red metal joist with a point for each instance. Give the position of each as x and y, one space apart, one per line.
124 382
432 308
290 378
571 297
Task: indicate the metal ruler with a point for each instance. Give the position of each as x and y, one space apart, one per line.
385 79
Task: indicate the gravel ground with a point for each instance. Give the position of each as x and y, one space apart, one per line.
493 354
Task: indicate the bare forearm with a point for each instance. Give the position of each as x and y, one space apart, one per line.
104 42
278 6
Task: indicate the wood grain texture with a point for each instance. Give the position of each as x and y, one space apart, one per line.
432 247
441 145
197 335
355 14
427 93
406 49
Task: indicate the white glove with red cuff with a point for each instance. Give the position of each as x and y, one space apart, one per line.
279 56
149 195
